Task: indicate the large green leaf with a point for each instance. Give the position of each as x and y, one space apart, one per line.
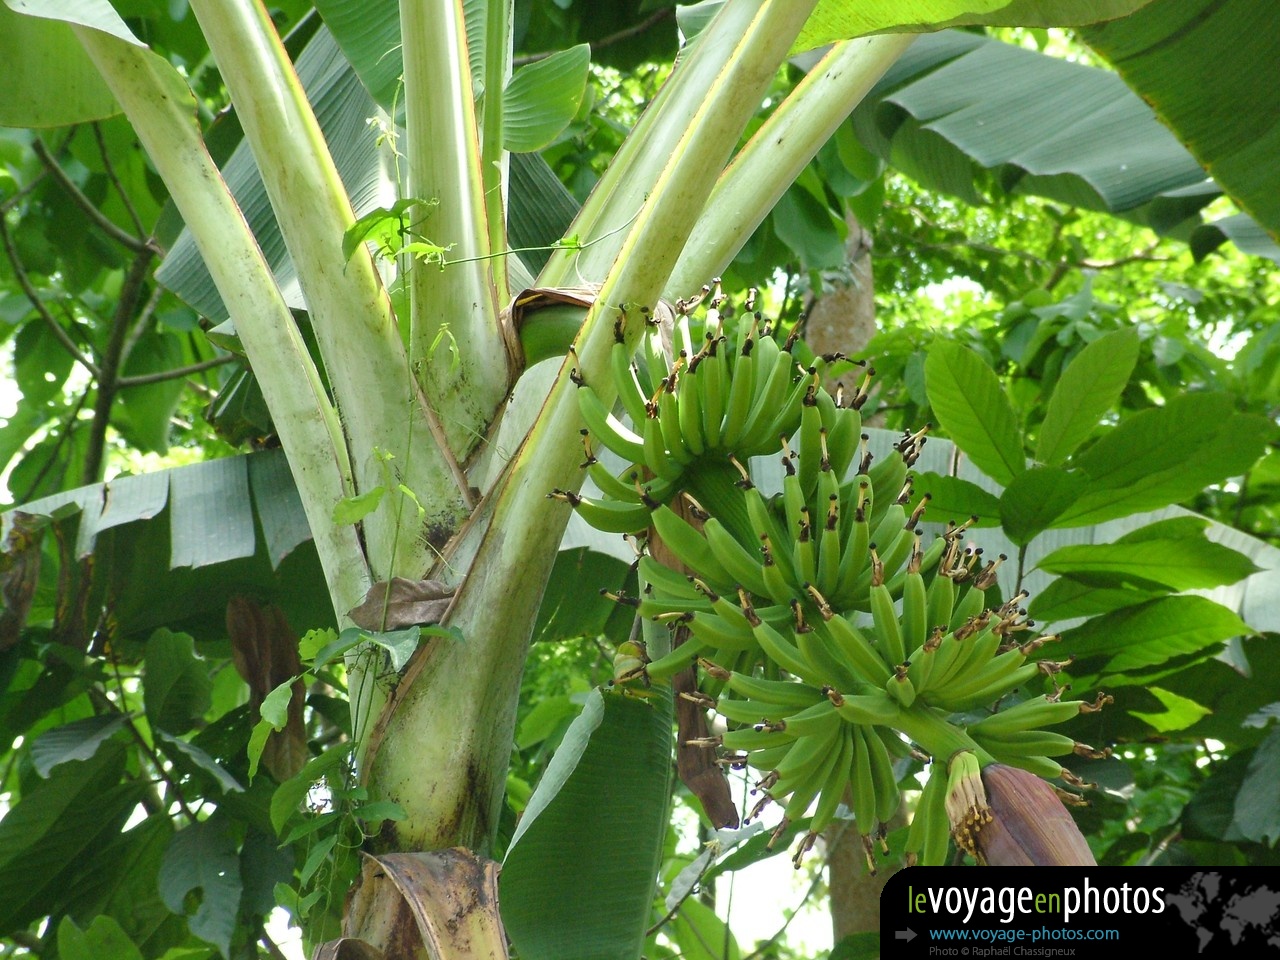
1035 498
49 80
178 687
578 879
1087 390
964 114
969 402
543 97
540 208
842 19
1178 564
573 605
1067 599
951 498
57 829
1153 632
202 860
208 520
1164 455
78 740
1239 229
702 935
1202 65
154 580
368 31
1257 807
103 940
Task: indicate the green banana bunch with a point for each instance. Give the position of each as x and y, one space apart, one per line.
826 627
707 398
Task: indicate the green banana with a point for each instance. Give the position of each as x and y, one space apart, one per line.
773 377
887 478
678 659
781 650
748 739
829 549
875 707
888 795
915 605
970 604
863 784
807 789
713 373
766 758
610 516
1029 743
815 731
811 441
607 429
932 806
751 711
778 581
656 456
785 419
824 660
627 380
716 631
743 569
690 547
862 658
1042 711
941 597
664 582
971 700
784 693
804 553
842 439
1045 767
900 686
854 561
833 787
885 617
669 420
738 404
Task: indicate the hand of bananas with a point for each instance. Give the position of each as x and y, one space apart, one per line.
815 697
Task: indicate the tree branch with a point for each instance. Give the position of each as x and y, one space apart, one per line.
109 376
141 325
99 219
265 939
160 376
64 436
607 41
33 296
115 182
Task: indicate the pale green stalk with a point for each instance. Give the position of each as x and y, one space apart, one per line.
350 312
460 714
162 112
936 736
460 353
779 151
634 168
497 63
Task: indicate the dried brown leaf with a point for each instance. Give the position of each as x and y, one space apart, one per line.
400 603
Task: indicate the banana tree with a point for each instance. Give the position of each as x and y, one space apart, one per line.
391 424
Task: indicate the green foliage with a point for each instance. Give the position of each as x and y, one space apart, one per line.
1091 372
577 875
